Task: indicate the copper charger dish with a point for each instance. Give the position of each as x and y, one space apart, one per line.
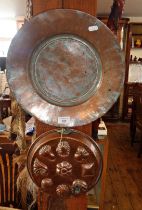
65 67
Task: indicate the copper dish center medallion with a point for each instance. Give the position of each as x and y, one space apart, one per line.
65 70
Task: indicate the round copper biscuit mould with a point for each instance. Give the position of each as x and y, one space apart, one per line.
64 162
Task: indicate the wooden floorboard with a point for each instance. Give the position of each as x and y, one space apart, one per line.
124 173
110 196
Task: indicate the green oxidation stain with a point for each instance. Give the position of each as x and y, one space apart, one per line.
77 190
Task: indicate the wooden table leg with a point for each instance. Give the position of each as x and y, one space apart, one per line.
77 203
46 202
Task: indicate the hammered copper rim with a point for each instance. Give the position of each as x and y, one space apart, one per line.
65 103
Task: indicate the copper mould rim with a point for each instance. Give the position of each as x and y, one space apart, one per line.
65 67
98 157
56 133
46 137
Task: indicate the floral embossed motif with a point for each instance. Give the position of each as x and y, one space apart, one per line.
46 150
39 168
64 169
81 154
63 149
62 190
79 186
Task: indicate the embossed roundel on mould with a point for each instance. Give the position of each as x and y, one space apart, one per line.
65 67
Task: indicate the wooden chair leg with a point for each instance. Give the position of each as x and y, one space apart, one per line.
133 134
140 149
131 126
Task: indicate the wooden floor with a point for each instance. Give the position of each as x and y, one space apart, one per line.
124 174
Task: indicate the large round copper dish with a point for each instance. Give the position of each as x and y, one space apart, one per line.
64 164
65 67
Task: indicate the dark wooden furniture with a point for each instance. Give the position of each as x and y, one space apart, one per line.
133 66
136 116
5 107
8 172
128 100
